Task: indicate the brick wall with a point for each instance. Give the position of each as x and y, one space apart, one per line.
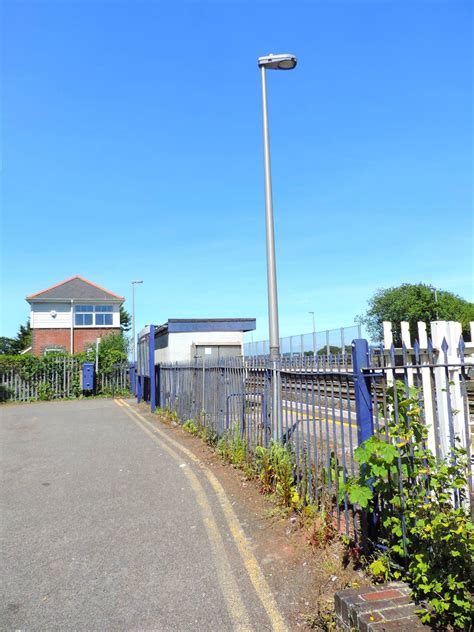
62 338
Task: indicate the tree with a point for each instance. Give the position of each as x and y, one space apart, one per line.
113 349
125 320
14 346
23 338
7 345
413 303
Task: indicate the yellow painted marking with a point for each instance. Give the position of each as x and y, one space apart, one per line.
250 561
305 416
227 582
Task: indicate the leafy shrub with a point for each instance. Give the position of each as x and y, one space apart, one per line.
232 448
276 471
45 391
5 393
412 492
209 435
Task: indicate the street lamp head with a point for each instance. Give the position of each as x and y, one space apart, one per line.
134 282
277 62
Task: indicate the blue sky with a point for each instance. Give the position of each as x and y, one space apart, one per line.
132 148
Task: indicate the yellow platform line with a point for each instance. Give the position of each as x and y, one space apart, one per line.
227 582
250 561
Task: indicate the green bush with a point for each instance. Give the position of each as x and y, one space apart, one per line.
45 392
5 393
410 490
232 448
276 470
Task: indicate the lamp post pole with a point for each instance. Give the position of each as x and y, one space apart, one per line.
275 62
271 261
134 341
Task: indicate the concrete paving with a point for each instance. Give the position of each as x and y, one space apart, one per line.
101 529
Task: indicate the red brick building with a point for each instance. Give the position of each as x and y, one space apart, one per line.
71 315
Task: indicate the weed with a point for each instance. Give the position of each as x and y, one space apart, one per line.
324 619
45 391
167 416
190 426
264 469
232 448
322 530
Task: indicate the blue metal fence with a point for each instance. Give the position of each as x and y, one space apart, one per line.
320 406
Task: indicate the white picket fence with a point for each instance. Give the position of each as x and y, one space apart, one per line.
446 365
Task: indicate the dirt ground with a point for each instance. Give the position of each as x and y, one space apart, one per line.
303 577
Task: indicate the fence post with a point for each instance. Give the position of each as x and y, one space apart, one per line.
138 372
450 400
132 374
406 340
139 388
427 389
151 359
363 396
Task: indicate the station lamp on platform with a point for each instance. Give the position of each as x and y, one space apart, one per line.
134 342
271 62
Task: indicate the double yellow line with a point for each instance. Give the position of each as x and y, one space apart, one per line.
227 581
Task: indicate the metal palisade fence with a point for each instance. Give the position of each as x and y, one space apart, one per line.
322 407
57 378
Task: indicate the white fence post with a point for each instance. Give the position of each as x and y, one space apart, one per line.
406 340
448 387
387 343
427 387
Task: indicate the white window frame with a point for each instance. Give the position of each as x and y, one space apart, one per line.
95 310
59 349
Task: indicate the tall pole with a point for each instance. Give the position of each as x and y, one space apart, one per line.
134 342
271 262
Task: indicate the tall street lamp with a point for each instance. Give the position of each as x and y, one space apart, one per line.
134 342
272 62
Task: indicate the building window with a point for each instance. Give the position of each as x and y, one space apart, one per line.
84 315
89 315
54 349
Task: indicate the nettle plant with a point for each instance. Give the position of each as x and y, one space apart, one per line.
423 515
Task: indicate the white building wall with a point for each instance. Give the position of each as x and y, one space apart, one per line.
180 345
116 316
41 316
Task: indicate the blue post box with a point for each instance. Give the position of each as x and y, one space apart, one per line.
88 376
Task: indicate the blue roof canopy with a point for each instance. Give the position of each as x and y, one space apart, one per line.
177 325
